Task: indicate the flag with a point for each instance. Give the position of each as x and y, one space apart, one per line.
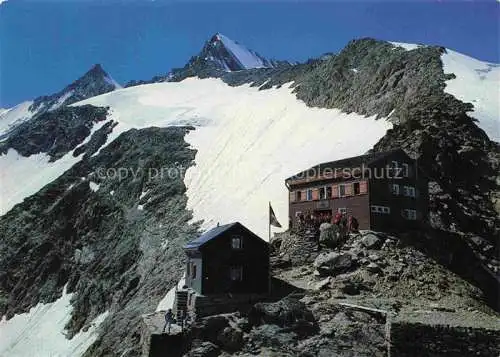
273 221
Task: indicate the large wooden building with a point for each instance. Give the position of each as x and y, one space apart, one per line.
384 191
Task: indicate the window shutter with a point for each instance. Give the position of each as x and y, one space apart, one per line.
315 194
335 191
348 189
363 187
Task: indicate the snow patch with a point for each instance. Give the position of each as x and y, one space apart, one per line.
61 100
406 46
168 301
24 176
111 81
40 332
478 83
14 116
93 186
247 58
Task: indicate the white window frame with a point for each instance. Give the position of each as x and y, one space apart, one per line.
395 189
322 193
236 242
380 209
406 169
410 214
342 210
340 193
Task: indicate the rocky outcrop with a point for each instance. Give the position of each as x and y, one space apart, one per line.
94 82
58 132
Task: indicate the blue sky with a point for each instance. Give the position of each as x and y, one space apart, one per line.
45 45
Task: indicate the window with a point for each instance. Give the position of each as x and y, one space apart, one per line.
409 214
322 193
309 195
236 273
298 195
236 242
380 209
193 272
409 191
342 190
328 191
342 210
298 213
357 189
406 170
395 189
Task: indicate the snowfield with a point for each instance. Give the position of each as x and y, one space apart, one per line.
40 332
477 83
248 142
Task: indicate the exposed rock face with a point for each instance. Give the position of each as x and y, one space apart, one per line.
111 254
96 81
58 132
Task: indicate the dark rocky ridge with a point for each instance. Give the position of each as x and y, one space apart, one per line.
55 132
99 243
94 82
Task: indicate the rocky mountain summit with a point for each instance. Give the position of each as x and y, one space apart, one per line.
94 82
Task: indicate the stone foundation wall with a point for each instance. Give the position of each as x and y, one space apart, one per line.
419 340
217 304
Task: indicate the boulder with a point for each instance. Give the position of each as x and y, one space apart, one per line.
209 328
231 339
333 263
323 283
371 241
373 268
287 312
271 336
204 349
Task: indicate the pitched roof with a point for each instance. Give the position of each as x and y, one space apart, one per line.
350 162
209 235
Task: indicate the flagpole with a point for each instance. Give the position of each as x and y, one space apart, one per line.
269 221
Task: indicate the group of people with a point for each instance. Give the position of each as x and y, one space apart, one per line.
328 229
342 220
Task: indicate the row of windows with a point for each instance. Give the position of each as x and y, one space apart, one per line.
407 213
408 191
341 190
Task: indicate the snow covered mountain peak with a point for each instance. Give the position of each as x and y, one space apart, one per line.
229 55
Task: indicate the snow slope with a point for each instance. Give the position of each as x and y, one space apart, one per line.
247 58
478 83
40 332
14 116
248 142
